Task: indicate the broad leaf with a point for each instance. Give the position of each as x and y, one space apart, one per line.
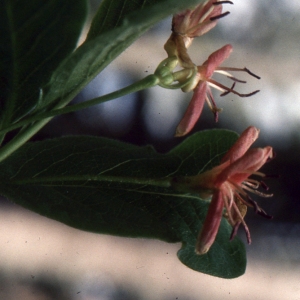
35 37
103 46
113 13
105 186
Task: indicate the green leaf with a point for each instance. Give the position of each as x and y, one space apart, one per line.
113 13
106 186
36 35
104 44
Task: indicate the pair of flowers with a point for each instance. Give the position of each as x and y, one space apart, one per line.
185 27
229 182
228 185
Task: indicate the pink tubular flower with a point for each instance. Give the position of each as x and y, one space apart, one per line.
229 183
202 92
192 23
198 21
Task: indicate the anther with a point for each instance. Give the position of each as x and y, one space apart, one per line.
258 210
254 204
222 2
237 80
228 92
264 186
250 73
220 16
250 94
264 214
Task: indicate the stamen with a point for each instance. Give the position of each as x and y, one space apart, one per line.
250 202
225 88
252 74
206 14
216 86
264 186
239 190
234 230
264 214
239 70
254 204
222 2
258 173
238 224
254 184
208 101
258 210
245 187
272 156
223 73
228 204
247 233
220 16
228 92
213 106
248 95
237 80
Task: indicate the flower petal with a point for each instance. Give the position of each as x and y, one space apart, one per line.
246 139
196 22
211 224
242 168
216 58
193 111
200 18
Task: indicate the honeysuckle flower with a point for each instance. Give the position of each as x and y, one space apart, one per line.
192 23
201 85
228 184
195 22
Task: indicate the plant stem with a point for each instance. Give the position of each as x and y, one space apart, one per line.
43 118
21 138
147 82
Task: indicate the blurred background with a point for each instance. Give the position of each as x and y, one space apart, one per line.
43 259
